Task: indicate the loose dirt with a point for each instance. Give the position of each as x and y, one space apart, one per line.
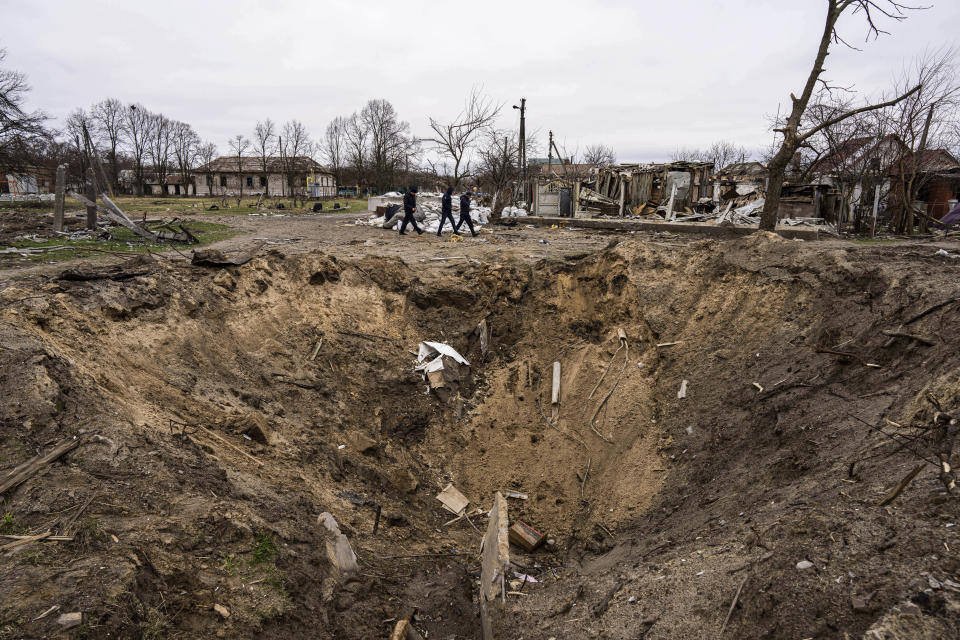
211 440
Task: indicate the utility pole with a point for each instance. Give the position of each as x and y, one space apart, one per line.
522 147
550 154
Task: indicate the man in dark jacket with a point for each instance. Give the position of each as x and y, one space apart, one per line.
446 211
409 206
465 213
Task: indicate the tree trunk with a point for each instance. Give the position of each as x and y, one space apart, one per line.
777 171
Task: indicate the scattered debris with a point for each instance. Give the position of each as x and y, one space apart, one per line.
442 367
25 471
453 501
222 610
804 564
525 536
494 565
215 258
515 494
682 393
339 551
70 620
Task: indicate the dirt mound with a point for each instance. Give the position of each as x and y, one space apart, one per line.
222 410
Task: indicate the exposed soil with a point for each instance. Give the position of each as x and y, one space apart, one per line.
656 515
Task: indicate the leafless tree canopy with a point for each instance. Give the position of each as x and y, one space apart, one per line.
186 145
138 126
161 134
239 147
721 153
108 121
388 139
599 155
294 144
334 147
264 146
793 138
454 140
18 128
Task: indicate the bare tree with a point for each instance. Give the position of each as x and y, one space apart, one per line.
108 118
793 138
454 140
295 147
264 146
186 144
498 166
78 125
161 133
357 145
137 127
599 155
721 153
924 122
389 141
206 154
333 147
18 127
239 146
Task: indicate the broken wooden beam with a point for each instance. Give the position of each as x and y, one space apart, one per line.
494 564
121 220
555 392
897 490
25 471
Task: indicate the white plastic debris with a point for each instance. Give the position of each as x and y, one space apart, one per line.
804 564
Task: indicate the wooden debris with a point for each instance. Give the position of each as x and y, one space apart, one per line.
453 501
214 258
25 540
26 470
339 551
667 344
494 564
47 612
222 610
930 310
121 220
58 203
404 629
525 536
229 444
555 391
909 336
484 333
316 350
897 490
682 393
70 620
733 604
9 536
759 388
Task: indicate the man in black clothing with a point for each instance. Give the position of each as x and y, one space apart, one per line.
446 211
465 213
409 206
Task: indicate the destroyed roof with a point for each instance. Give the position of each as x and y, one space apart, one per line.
743 170
930 161
848 151
275 164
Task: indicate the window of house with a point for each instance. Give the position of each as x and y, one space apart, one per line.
249 181
263 181
223 181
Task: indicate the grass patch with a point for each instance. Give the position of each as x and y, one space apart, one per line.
10 526
135 206
265 549
122 240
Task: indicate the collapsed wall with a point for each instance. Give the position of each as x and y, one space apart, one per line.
222 411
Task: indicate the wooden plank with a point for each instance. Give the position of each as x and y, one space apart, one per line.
121 220
23 541
555 392
27 470
91 185
494 564
58 203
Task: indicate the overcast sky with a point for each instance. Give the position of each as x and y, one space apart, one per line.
643 77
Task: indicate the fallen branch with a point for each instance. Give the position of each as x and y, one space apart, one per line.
897 490
733 604
24 541
45 539
26 470
228 443
930 310
909 336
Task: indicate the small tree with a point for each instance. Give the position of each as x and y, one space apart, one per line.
186 145
498 161
793 138
295 146
455 139
239 146
599 155
108 118
161 134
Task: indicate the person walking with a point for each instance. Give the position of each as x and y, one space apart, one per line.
465 213
446 212
409 206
